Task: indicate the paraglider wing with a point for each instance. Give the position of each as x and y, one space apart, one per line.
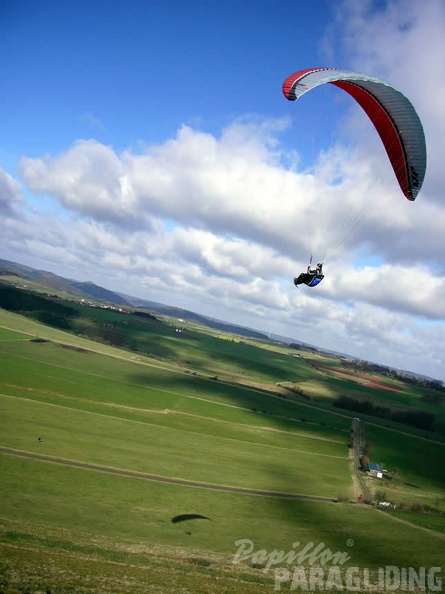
392 114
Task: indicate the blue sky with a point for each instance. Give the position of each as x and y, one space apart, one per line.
147 147
137 71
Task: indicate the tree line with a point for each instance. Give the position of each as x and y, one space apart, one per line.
416 418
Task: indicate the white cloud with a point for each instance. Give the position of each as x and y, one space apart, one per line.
228 185
89 178
229 189
413 290
10 194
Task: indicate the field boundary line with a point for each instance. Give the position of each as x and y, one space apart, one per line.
209 378
168 428
162 479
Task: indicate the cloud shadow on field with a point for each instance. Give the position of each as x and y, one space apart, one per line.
371 539
332 523
277 409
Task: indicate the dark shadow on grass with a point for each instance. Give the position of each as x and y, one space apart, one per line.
349 528
188 517
287 412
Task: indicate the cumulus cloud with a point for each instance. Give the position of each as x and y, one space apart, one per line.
227 185
412 290
89 178
234 185
11 196
239 213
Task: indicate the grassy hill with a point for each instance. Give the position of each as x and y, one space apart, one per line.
46 283
100 447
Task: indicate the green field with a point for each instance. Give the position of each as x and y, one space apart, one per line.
100 448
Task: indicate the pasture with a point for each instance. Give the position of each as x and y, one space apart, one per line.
100 448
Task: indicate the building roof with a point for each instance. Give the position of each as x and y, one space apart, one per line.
375 467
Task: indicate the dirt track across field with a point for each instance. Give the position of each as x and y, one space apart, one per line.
160 479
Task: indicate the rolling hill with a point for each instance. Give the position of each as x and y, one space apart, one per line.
40 280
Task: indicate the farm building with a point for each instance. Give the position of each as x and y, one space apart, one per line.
375 470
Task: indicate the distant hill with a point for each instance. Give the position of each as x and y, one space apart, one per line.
31 275
89 288
53 282
185 314
40 280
